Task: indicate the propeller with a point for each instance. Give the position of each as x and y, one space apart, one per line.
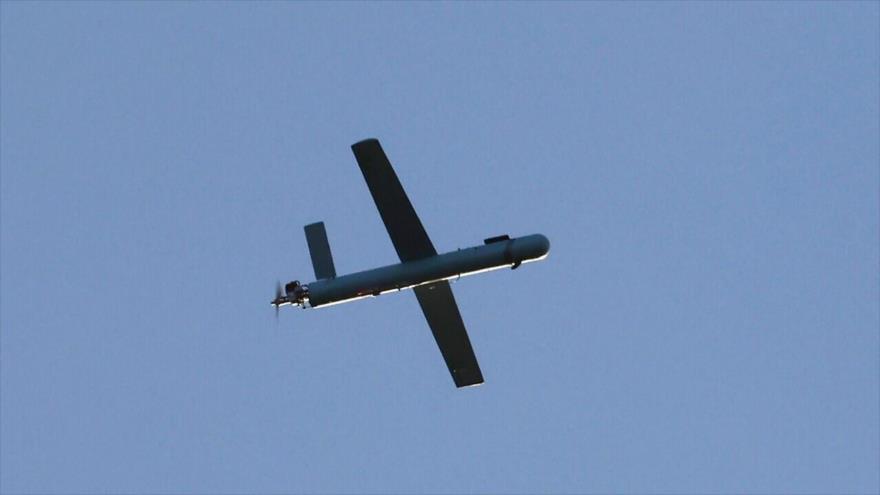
277 297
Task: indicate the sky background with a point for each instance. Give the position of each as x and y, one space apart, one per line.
707 173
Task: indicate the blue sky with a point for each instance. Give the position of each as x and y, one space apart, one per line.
707 173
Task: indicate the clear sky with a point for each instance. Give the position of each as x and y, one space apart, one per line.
707 173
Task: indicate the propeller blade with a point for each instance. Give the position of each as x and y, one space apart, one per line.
277 296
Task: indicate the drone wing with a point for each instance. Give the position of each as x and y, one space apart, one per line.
406 230
440 310
412 243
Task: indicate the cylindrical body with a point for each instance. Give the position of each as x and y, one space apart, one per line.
440 267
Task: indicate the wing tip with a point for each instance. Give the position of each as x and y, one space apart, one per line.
464 377
365 142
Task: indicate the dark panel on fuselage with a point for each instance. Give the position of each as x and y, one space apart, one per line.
403 225
500 238
440 310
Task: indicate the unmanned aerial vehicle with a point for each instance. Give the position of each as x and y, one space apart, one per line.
421 268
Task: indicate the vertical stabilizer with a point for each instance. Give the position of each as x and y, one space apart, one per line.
319 248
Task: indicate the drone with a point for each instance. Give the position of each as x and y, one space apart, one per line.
420 269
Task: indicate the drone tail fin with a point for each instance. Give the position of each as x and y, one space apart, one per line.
319 249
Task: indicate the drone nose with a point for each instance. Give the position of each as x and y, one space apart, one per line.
530 247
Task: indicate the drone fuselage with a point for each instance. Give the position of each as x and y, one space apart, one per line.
494 254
